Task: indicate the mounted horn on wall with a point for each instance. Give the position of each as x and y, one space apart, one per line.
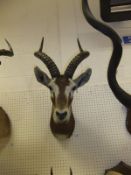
62 88
119 93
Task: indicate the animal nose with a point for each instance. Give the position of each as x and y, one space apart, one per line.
61 115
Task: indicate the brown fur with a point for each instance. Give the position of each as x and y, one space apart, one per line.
65 128
5 125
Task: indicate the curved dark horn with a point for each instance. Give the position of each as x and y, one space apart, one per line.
47 61
4 52
119 93
76 61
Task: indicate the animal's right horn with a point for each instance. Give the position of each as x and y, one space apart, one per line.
69 72
54 71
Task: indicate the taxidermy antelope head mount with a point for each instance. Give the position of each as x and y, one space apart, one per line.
119 93
62 88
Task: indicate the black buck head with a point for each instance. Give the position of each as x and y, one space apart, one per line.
61 87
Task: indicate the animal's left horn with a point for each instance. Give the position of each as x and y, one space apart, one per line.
69 72
4 52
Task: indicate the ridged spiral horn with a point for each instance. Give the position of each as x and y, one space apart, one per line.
50 64
69 72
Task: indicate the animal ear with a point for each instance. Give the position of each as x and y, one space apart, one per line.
83 78
41 76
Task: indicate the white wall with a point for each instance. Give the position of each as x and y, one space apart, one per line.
100 139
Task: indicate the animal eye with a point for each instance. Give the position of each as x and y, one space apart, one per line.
74 88
50 88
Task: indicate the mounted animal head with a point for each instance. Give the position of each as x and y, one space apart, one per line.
61 87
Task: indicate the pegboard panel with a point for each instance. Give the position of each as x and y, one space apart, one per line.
100 139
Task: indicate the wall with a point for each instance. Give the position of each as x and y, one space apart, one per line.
24 23
100 139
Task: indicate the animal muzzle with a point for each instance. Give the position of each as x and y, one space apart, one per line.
61 115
